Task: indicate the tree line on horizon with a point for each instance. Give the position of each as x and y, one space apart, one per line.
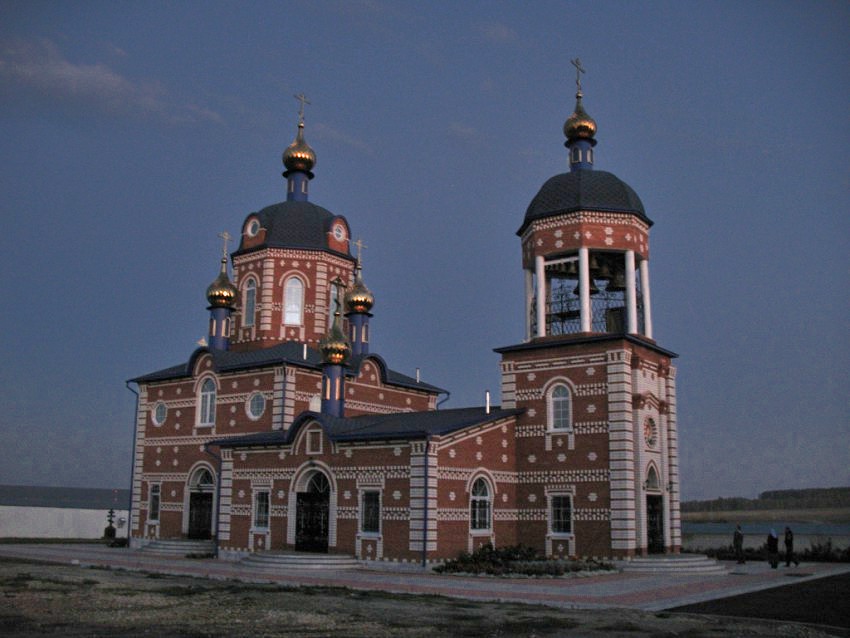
811 498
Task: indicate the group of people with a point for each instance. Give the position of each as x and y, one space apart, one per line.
772 547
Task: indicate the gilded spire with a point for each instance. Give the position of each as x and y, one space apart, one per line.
298 156
221 293
334 346
358 298
579 125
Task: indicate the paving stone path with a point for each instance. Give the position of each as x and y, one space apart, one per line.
648 592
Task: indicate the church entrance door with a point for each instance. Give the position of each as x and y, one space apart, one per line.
200 515
311 532
201 490
655 524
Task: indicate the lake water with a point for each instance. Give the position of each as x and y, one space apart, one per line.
713 535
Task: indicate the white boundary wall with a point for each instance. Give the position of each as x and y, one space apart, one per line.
58 522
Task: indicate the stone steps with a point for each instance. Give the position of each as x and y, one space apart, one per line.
674 564
273 561
179 547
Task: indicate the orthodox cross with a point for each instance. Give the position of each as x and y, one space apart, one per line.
225 236
303 99
360 246
579 70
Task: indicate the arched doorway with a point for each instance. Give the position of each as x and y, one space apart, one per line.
201 490
654 513
311 532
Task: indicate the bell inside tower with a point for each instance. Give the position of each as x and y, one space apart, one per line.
608 296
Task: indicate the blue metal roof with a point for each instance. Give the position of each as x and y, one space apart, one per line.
376 427
583 190
294 224
289 353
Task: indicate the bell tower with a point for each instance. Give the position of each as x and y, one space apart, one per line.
585 243
599 428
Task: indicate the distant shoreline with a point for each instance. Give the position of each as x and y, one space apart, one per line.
804 515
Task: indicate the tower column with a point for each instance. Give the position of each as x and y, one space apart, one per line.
647 306
584 287
333 391
631 296
540 272
335 351
529 301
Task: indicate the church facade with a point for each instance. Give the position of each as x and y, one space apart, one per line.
286 432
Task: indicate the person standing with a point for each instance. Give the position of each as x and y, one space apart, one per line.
773 549
738 544
789 548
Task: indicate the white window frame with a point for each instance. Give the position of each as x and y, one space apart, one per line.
335 299
474 502
155 417
362 517
313 442
249 406
256 523
293 301
249 308
206 403
154 490
652 483
551 514
551 412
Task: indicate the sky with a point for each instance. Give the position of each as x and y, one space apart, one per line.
133 133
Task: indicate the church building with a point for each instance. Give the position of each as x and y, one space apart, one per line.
287 433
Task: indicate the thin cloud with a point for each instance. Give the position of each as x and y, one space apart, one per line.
465 132
497 32
326 132
38 68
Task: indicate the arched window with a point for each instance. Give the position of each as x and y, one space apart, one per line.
293 301
335 297
318 484
479 505
560 408
249 307
652 482
206 407
202 479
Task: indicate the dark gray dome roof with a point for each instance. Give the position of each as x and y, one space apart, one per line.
583 190
293 224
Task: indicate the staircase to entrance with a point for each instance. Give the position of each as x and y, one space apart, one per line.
276 561
180 547
674 564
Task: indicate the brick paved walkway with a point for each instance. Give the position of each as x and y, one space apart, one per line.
650 592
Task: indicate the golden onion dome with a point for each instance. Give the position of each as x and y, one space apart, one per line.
334 346
298 156
579 125
222 293
359 298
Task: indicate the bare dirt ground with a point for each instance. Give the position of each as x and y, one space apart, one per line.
57 600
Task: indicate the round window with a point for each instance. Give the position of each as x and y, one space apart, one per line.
256 405
253 228
160 411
